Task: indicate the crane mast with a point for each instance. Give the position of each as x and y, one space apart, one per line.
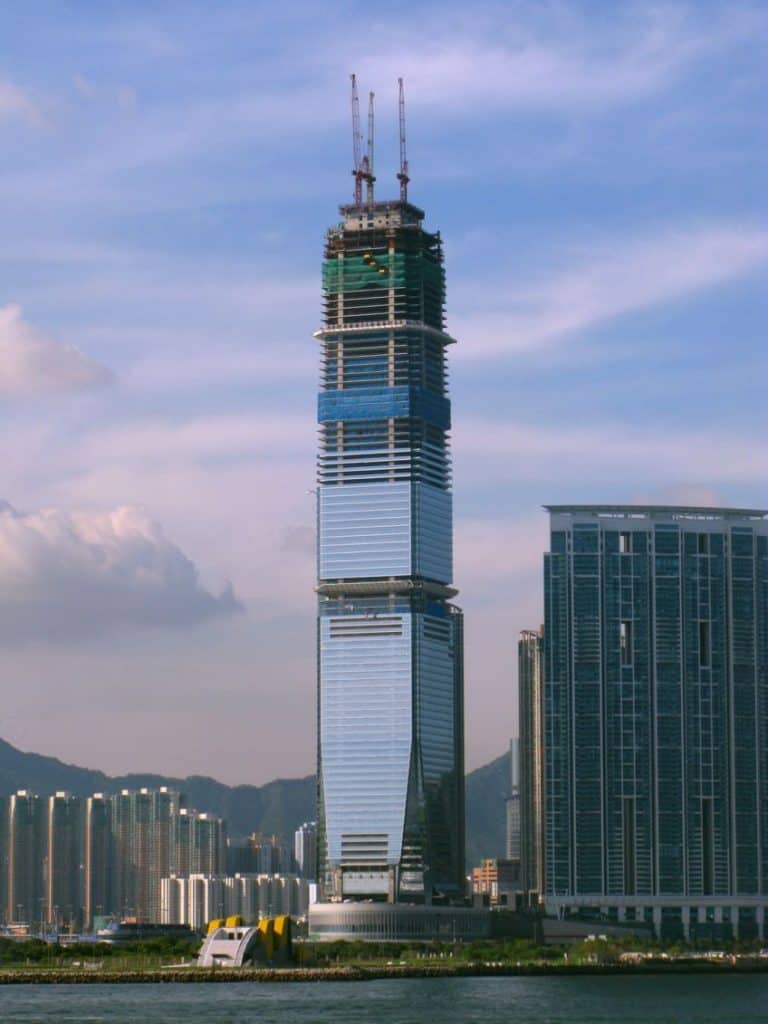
402 177
357 145
370 177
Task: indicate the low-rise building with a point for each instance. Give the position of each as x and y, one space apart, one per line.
198 899
496 878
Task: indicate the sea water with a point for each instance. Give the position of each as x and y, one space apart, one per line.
653 999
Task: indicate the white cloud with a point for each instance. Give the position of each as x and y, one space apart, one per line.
697 495
33 364
628 276
70 575
226 437
226 487
677 457
83 85
494 553
16 103
173 370
537 57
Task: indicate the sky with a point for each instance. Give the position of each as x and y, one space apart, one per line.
167 172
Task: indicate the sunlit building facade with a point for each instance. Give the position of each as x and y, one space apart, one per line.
513 836
98 857
656 717
25 835
530 709
305 850
63 870
390 751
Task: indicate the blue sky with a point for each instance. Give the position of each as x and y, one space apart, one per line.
167 171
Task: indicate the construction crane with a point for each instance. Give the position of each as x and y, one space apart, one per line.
357 144
403 175
362 170
370 177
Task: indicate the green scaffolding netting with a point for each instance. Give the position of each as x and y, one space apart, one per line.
403 270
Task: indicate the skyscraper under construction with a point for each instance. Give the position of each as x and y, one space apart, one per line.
390 744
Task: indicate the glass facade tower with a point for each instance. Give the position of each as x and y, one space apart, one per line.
656 716
390 687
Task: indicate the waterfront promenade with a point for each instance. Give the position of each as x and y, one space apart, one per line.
356 972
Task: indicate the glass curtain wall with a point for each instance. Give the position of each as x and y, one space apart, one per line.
390 702
655 710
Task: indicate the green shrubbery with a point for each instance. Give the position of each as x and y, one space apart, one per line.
35 951
504 951
482 951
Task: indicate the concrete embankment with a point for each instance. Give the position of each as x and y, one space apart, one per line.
32 976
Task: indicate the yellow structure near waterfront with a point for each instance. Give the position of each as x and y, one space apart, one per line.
231 943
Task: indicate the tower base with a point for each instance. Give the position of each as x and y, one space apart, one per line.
390 922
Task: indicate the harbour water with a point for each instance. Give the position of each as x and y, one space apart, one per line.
681 999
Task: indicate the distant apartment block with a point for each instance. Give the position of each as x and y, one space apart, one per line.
142 830
513 806
198 899
25 858
63 874
259 854
305 850
98 859
198 843
68 863
530 712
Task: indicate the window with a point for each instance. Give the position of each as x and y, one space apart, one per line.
704 644
703 544
707 846
625 542
625 641
629 844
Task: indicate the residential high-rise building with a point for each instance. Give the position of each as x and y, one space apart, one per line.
513 808
210 844
4 859
155 848
26 839
305 849
196 900
390 691
142 831
531 760
656 716
263 855
198 844
67 862
64 877
258 854
99 897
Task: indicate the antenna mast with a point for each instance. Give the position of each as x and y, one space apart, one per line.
370 177
403 175
358 172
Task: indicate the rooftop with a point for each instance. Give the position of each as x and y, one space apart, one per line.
658 511
387 214
383 206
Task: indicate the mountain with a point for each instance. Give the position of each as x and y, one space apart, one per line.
277 807
487 791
